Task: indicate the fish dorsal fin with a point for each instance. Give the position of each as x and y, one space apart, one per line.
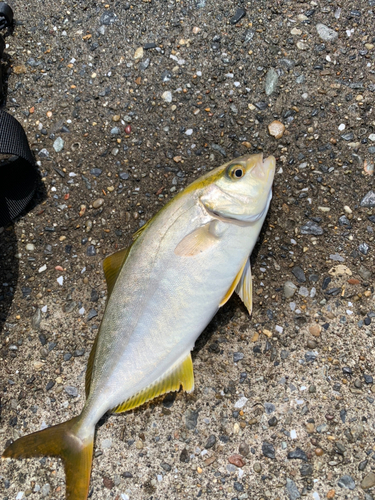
196 242
244 287
112 266
229 293
89 368
180 374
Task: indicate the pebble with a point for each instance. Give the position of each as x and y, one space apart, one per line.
210 441
302 45
241 402
72 391
299 274
297 454
138 54
90 251
236 460
311 227
237 356
276 129
60 280
272 78
30 247
292 489
325 33
239 14
257 467
244 449
289 289
368 481
303 291
268 450
36 319
97 203
58 145
191 418
368 200
346 481
311 344
167 96
364 248
184 456
315 330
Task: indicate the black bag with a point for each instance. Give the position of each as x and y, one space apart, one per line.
18 172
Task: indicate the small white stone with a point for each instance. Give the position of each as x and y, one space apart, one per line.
342 127
316 495
279 329
43 268
348 210
372 137
30 247
293 434
167 96
60 280
189 131
44 309
58 145
82 311
19 495
241 402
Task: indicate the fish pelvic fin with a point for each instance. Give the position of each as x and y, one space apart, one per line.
60 441
244 287
233 285
180 374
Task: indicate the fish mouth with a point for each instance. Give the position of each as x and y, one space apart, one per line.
264 168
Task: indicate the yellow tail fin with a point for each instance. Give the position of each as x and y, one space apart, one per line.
60 441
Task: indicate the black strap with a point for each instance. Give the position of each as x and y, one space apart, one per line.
18 175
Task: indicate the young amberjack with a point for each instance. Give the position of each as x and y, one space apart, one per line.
163 290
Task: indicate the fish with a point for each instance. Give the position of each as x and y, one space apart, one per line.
163 290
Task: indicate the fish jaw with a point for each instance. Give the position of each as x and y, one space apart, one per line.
244 200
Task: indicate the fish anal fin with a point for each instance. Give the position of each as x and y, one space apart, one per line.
180 374
198 241
233 285
90 365
112 266
244 287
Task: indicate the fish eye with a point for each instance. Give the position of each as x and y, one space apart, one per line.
236 171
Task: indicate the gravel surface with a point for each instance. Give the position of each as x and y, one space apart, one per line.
124 104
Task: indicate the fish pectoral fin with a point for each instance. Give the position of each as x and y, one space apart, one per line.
112 266
244 287
180 374
196 242
232 288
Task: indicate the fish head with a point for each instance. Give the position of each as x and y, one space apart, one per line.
240 190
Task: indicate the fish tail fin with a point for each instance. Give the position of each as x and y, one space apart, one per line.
60 441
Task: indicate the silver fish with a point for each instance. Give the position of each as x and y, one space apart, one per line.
163 290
